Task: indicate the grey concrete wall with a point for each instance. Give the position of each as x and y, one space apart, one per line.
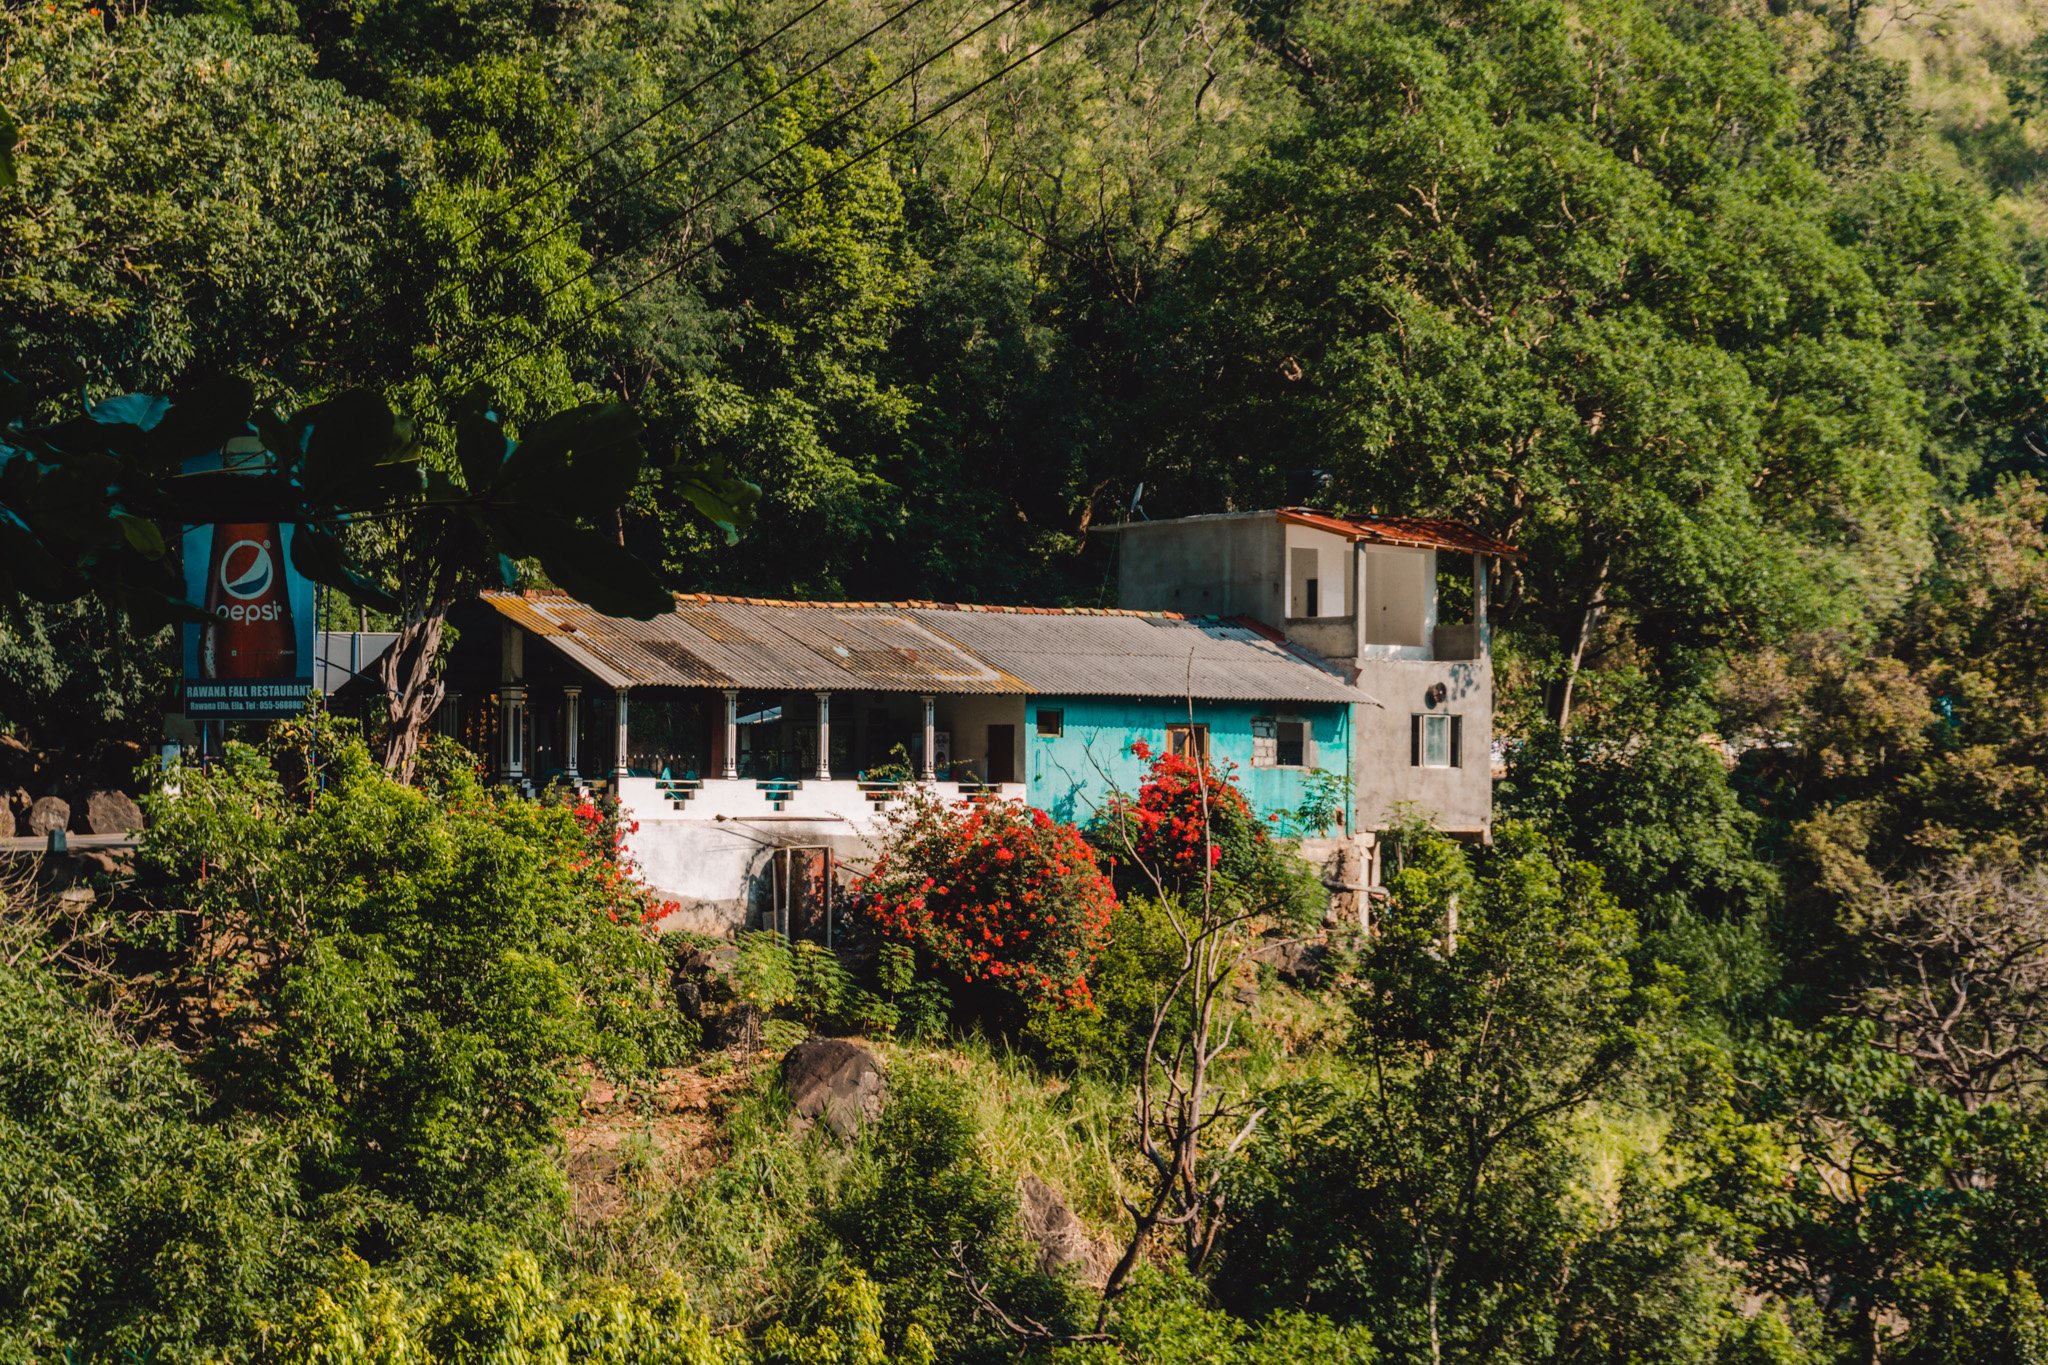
1205 566
1333 637
1459 800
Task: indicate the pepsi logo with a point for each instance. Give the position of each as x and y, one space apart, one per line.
245 569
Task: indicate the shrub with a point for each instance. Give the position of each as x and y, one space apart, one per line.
923 1210
1189 818
1167 1319
417 977
129 1227
993 892
509 1315
1141 954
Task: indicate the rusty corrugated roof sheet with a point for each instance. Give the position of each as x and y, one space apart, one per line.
1427 533
763 644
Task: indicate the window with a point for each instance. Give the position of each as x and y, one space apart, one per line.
1290 744
1052 723
1437 741
1190 742
1283 743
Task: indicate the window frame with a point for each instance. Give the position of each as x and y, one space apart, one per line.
1056 728
1304 742
1453 729
1181 737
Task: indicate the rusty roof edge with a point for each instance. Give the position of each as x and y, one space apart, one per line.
495 596
1456 535
515 608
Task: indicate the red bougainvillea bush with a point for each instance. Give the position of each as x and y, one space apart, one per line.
606 860
995 892
1174 825
1187 815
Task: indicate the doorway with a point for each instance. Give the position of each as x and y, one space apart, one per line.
1002 753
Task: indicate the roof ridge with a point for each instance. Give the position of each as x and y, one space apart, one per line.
907 604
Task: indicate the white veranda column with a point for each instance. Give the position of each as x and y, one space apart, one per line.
824 736
572 722
931 739
731 769
512 731
619 745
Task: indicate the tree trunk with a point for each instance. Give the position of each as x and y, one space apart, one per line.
1589 621
1436 1341
412 690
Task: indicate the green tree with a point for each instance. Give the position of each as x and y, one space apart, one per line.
1497 1008
412 976
1566 269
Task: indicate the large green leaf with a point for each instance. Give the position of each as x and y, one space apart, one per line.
480 447
583 462
222 495
722 497
588 564
347 438
205 414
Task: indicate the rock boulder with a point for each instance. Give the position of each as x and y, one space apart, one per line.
110 812
837 1082
49 813
1063 1242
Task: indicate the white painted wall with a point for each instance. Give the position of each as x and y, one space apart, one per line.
712 855
1400 598
1325 556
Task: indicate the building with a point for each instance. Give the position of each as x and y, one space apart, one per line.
1399 603
733 728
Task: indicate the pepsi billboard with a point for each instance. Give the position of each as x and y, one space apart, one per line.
254 658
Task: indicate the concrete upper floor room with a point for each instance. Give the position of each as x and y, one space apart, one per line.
1348 587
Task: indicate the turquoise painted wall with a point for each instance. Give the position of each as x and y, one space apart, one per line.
1069 776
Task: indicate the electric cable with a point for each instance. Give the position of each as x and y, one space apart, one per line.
1102 7
751 49
570 220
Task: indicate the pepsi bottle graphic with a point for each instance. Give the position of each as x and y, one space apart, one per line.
251 634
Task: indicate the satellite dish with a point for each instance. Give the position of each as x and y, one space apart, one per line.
1137 496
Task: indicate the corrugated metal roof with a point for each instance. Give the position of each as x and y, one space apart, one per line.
927 647
1143 655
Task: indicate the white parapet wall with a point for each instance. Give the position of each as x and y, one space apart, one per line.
710 852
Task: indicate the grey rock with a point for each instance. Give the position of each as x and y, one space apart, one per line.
740 1027
1298 963
1063 1241
839 1083
111 812
50 812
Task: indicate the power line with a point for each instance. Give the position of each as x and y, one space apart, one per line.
1102 7
1096 11
558 177
678 153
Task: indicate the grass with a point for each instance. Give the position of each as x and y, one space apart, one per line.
706 1175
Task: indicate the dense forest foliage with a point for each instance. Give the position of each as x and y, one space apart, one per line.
1728 312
